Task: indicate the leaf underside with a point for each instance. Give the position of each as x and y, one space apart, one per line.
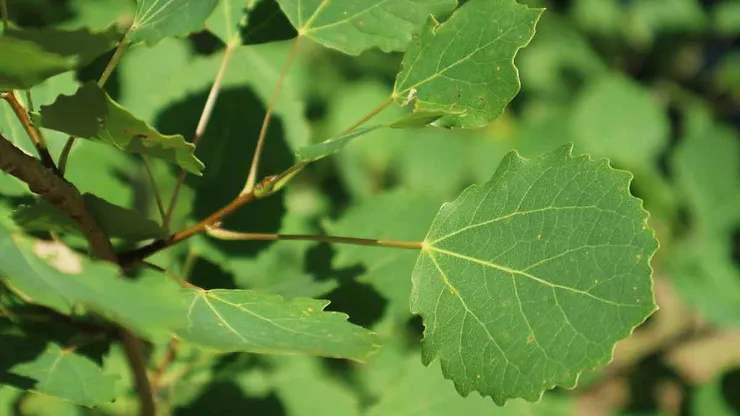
91 114
528 280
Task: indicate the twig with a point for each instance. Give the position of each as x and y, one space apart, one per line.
155 189
33 133
132 347
169 356
120 49
65 196
205 116
4 11
252 178
216 217
231 235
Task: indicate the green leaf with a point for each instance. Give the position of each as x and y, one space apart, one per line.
705 165
614 117
708 399
241 320
91 114
116 222
726 17
353 26
155 20
432 395
66 374
530 279
404 216
227 17
50 274
473 81
37 54
705 276
307 389
333 145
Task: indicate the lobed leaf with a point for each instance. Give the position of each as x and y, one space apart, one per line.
66 374
242 320
38 54
155 20
464 67
52 275
352 26
91 114
530 279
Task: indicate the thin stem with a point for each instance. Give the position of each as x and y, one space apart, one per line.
205 116
33 133
155 189
382 106
120 49
4 11
252 178
231 235
132 347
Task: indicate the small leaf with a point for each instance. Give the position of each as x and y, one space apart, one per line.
353 26
530 279
68 375
34 55
116 222
91 114
241 320
155 20
330 146
50 274
474 80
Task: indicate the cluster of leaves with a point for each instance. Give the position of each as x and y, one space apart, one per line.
374 116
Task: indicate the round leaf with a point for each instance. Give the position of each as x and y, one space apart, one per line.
530 279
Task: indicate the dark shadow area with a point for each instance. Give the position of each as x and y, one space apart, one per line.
226 149
225 398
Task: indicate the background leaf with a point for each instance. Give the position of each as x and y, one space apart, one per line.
42 53
530 279
66 374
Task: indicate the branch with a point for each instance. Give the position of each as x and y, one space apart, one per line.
205 116
62 194
252 178
65 196
33 133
